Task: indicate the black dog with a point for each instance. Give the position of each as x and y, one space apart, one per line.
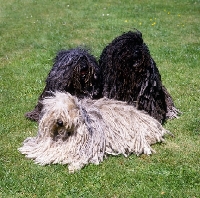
127 72
130 74
74 71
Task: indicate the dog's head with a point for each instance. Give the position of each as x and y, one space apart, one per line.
126 54
78 73
59 117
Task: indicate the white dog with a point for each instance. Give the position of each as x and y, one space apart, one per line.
78 132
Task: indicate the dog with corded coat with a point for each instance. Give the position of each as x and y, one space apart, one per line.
75 71
130 74
81 131
126 72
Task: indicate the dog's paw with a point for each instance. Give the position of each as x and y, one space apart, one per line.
75 167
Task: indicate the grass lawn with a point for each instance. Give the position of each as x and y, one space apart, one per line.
31 33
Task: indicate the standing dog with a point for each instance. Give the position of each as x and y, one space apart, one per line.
130 74
74 71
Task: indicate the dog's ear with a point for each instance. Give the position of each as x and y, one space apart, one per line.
73 99
45 126
74 114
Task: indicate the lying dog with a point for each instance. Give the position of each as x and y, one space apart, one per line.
77 132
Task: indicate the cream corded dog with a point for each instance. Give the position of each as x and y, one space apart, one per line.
78 132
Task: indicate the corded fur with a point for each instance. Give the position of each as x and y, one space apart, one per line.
130 74
78 132
74 71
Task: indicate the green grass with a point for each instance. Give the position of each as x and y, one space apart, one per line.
31 33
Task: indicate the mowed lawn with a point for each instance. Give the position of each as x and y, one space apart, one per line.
33 31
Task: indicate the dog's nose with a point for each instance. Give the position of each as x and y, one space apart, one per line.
60 123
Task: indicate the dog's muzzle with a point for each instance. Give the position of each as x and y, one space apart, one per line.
59 123
60 132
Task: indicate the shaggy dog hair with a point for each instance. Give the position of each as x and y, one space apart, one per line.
74 71
130 74
127 73
77 132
